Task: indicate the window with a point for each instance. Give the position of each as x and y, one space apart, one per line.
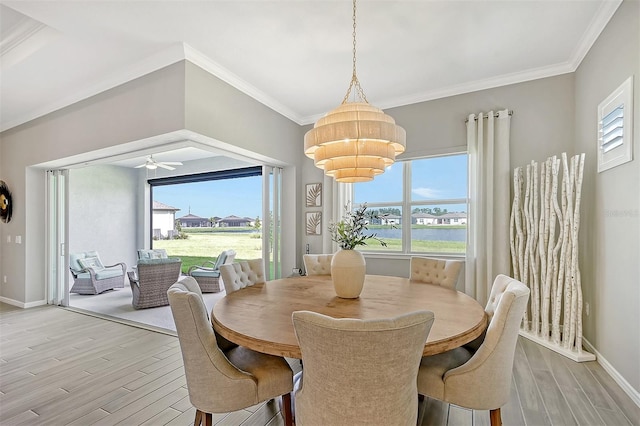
615 121
424 203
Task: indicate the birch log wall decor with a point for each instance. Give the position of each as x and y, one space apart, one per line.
544 252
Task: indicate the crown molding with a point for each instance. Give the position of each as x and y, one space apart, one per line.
591 34
473 86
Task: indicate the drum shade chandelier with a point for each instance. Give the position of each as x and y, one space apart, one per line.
355 141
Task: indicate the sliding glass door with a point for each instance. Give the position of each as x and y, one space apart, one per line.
271 231
57 237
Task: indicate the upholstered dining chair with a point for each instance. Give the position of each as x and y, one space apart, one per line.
317 264
221 381
435 271
242 274
359 372
481 379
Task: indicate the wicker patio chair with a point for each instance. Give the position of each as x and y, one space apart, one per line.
208 277
152 280
90 276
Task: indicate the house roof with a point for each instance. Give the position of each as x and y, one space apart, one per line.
454 215
192 216
421 214
234 218
159 206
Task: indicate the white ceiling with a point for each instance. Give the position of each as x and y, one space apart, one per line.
293 55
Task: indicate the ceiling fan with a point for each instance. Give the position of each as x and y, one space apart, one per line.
153 164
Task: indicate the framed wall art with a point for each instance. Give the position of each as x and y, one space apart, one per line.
313 195
313 223
6 203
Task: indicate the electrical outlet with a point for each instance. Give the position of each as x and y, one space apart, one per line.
5 279
18 239
8 238
586 308
296 271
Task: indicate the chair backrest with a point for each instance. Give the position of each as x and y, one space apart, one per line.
492 364
360 371
159 269
152 254
242 274
436 271
317 264
79 261
222 259
215 385
231 256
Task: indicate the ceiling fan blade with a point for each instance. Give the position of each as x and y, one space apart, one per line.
164 166
140 166
172 163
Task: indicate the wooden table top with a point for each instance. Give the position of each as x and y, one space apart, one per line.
259 317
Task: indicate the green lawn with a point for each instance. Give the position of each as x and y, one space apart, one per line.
200 247
418 246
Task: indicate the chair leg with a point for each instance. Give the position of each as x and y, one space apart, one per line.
494 416
202 418
286 409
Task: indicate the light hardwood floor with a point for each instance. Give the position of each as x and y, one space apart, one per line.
59 367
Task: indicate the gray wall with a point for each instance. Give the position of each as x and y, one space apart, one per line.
103 210
610 220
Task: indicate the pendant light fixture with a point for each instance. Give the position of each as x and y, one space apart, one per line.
355 141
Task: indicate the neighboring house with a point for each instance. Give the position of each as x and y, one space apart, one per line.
233 221
423 218
193 221
457 218
391 219
215 221
163 220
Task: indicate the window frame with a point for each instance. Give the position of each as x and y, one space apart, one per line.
407 205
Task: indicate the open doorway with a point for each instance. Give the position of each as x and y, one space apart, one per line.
110 212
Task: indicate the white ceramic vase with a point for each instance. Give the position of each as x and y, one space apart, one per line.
348 268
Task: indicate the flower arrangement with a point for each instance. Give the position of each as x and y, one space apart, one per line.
348 233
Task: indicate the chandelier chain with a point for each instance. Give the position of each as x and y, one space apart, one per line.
354 78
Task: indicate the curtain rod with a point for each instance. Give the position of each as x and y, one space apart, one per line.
495 115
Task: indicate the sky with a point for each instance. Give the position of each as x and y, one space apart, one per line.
435 178
241 197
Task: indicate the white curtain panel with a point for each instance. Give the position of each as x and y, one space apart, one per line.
336 196
489 194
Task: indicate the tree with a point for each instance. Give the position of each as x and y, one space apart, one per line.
422 210
389 211
257 224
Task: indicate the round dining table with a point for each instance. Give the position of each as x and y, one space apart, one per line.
259 316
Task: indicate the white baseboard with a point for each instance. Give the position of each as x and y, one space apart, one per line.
22 304
571 354
617 377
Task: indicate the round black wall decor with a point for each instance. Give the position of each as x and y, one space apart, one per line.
6 203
